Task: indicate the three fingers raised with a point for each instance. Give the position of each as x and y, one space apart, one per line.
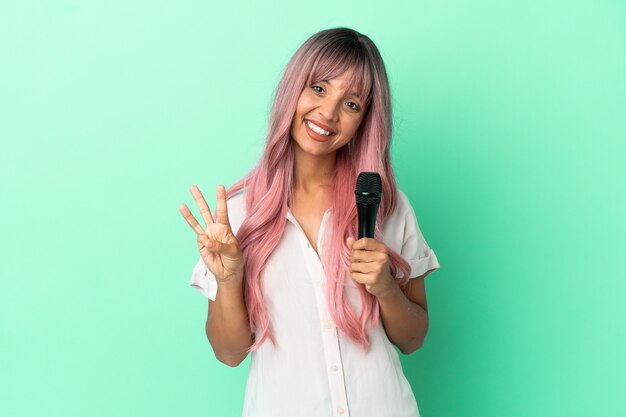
221 210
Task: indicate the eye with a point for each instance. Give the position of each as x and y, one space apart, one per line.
356 106
313 87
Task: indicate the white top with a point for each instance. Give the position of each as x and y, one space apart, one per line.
317 371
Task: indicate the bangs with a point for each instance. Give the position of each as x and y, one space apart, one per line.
336 60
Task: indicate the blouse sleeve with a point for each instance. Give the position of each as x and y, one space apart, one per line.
414 248
202 279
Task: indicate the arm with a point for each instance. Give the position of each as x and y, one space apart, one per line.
227 324
404 314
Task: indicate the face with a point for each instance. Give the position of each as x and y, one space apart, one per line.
330 107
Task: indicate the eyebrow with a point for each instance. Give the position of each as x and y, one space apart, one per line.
352 93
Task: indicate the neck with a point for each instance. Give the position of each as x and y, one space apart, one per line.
312 172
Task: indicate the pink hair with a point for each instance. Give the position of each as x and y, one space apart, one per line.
324 55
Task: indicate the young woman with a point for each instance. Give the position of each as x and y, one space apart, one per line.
285 277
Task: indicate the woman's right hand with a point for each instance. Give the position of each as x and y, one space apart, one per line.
217 244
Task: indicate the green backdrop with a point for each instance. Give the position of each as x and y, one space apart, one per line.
510 141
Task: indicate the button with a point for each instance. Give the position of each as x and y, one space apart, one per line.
308 244
334 367
340 410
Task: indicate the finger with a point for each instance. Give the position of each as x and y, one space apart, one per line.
369 244
221 210
191 220
216 247
203 246
365 243
205 211
366 256
360 278
359 255
364 268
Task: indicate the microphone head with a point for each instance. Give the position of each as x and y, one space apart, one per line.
369 188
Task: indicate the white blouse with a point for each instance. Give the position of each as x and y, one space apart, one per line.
317 371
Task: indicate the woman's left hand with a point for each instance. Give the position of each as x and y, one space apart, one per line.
369 265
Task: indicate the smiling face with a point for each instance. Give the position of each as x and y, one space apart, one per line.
326 107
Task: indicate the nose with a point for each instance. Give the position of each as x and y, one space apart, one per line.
329 109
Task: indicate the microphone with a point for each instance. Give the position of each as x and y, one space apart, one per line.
368 191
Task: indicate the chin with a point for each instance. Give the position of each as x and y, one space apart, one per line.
317 149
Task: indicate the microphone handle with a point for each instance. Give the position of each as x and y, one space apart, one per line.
367 219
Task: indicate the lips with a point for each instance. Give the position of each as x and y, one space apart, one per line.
317 136
322 125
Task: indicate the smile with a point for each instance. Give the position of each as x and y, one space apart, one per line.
318 129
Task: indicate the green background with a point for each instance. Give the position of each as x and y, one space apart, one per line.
510 141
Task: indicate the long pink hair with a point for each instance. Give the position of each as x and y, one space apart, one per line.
324 55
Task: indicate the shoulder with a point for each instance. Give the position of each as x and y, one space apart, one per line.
402 210
402 232
403 205
393 230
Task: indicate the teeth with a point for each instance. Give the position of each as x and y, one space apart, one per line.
318 129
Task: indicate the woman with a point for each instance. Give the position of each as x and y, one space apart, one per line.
285 277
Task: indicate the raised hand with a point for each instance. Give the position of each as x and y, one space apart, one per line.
217 244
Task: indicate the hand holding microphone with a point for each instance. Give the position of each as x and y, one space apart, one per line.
369 262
